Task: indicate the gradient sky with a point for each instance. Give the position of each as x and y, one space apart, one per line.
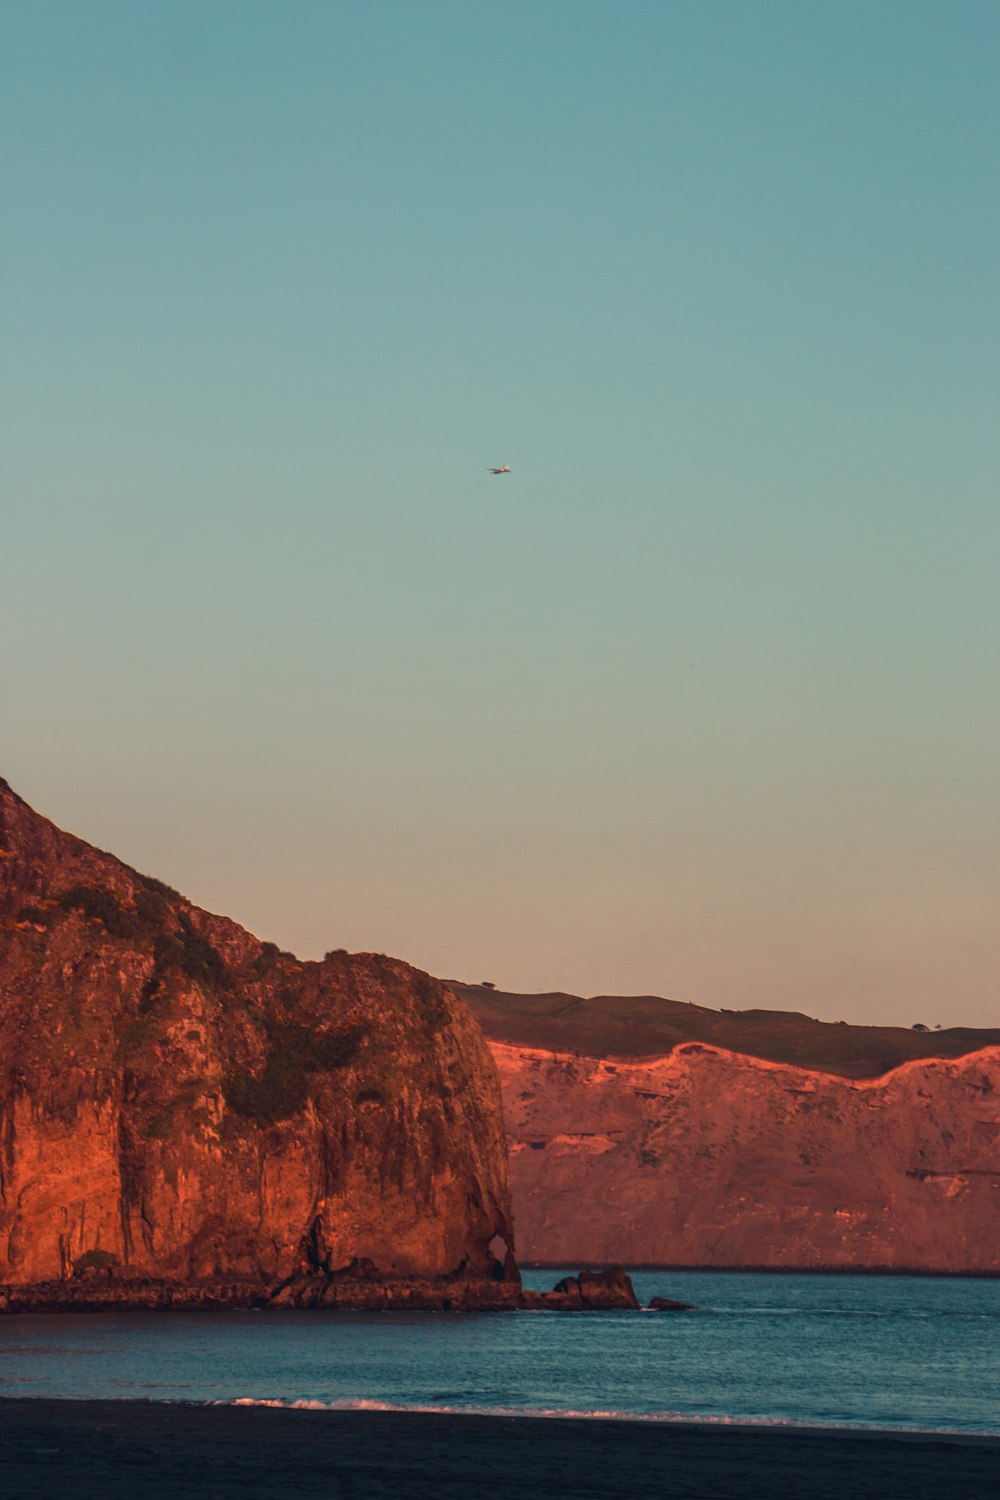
702 699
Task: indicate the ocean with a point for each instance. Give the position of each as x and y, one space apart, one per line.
884 1352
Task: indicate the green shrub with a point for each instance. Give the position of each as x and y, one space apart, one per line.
93 1260
142 923
158 888
96 904
294 1051
280 1092
190 953
266 959
327 1050
152 909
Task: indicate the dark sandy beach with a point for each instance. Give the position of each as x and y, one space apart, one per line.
88 1449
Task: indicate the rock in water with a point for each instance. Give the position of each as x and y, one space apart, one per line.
610 1288
590 1291
188 1114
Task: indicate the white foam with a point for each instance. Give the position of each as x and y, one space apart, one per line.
598 1414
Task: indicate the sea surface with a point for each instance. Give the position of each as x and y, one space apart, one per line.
919 1353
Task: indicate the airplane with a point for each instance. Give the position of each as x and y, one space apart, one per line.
505 469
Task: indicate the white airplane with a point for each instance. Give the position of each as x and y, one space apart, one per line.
504 470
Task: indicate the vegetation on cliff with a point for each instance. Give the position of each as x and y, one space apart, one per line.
649 1026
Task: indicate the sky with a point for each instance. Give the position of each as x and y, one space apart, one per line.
701 699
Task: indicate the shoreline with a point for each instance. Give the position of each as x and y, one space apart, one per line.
608 1291
881 1271
531 1415
179 1451
110 1291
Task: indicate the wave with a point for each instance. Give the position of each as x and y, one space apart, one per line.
598 1414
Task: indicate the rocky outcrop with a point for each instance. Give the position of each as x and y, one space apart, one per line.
347 1291
188 1114
109 1292
708 1157
611 1288
588 1291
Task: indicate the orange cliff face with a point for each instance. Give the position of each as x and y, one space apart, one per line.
650 1131
709 1158
181 1102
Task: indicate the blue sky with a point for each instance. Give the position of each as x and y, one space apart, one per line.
701 699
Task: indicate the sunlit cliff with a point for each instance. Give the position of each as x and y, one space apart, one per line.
181 1103
702 1155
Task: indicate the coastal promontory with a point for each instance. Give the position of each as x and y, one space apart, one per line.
189 1116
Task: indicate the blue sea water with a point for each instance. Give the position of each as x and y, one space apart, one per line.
885 1352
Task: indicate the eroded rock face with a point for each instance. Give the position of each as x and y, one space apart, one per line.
184 1105
705 1157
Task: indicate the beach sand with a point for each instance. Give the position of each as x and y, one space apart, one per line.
84 1449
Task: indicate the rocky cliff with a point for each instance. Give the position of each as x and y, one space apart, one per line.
701 1155
187 1113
